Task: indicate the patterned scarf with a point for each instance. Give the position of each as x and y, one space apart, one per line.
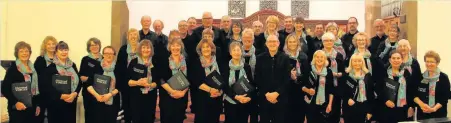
388 47
47 59
90 55
432 81
181 67
321 95
366 56
362 90
207 66
333 64
295 57
338 45
402 87
149 66
232 77
33 79
408 63
108 70
67 70
252 59
130 54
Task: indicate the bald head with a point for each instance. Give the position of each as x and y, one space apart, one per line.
145 22
207 19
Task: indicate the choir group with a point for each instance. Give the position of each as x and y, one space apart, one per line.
289 76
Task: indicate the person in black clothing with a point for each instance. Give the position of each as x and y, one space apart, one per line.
225 26
173 103
191 25
235 34
289 28
319 89
332 27
250 58
380 36
237 107
143 93
145 32
433 91
89 65
257 26
299 73
410 63
207 23
347 38
63 106
299 30
272 24
105 106
401 109
209 99
22 70
358 93
337 67
41 63
272 74
314 42
124 57
390 44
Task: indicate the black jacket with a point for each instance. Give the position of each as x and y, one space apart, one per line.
47 89
441 94
411 86
313 82
375 41
272 74
120 69
314 44
229 90
347 42
88 68
351 90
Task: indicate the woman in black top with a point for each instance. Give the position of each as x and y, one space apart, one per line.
236 28
410 63
63 105
400 107
237 107
433 91
299 73
105 106
390 44
22 71
42 62
126 54
358 92
319 89
90 64
142 85
337 67
250 58
173 102
210 99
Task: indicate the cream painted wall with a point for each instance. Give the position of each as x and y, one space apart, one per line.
3 14
71 21
171 11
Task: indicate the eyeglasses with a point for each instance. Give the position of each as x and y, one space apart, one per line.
108 54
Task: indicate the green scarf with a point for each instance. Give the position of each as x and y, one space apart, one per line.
33 79
432 81
109 71
67 70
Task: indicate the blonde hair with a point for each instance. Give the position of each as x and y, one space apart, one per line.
202 42
173 33
44 44
362 34
178 41
132 30
356 57
273 19
320 52
292 35
331 24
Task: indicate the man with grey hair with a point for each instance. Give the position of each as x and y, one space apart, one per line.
257 26
225 23
145 32
207 22
380 36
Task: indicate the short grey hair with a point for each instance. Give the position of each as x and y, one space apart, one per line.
202 42
248 31
21 45
328 35
257 23
234 44
95 41
379 20
145 42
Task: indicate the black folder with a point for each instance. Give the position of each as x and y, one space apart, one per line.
214 80
242 86
22 91
353 87
62 83
178 81
101 84
423 92
391 89
139 71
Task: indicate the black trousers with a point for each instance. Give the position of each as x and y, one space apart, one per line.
172 110
143 106
88 103
273 113
125 96
40 118
209 108
296 104
236 113
254 110
316 113
105 113
24 116
355 113
62 112
335 114
394 115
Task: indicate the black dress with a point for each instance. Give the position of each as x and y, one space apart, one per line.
25 116
59 111
297 106
88 68
357 112
122 81
441 96
317 113
254 102
142 106
40 65
238 112
272 75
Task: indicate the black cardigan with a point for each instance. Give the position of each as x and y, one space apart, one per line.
329 86
352 93
314 44
120 70
132 75
411 87
272 74
441 94
88 68
229 91
305 67
40 64
15 76
47 88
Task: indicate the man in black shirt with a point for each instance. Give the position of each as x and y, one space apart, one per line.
225 25
207 22
257 26
145 32
347 38
314 42
192 24
289 28
380 36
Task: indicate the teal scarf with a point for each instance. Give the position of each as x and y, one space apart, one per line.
388 47
67 70
232 77
130 54
402 87
181 67
33 79
47 59
206 66
252 59
295 57
108 70
367 57
362 89
149 66
408 63
432 81
321 95
333 64
90 55
338 45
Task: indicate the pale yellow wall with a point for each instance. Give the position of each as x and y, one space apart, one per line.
434 24
71 21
